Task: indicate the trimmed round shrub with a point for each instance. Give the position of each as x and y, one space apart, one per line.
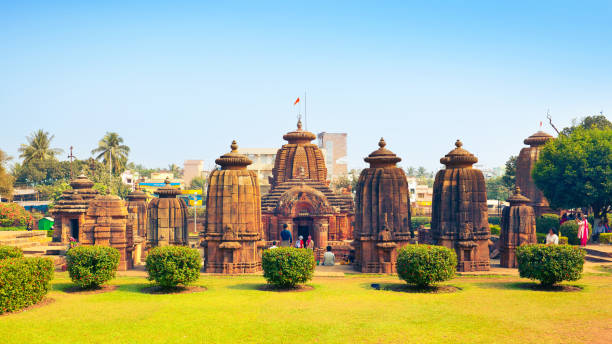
562 240
547 221
550 264
425 265
541 238
92 266
14 215
10 252
286 267
23 282
170 266
569 229
605 238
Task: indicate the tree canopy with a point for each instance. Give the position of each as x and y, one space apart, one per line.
38 147
6 180
113 152
575 170
509 177
588 122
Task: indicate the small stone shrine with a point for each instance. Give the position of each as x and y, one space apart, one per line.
137 216
382 213
524 165
300 197
69 211
167 216
459 210
106 224
232 238
518 227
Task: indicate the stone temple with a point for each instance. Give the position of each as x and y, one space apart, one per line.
382 213
232 238
167 216
459 210
524 165
518 227
69 212
301 198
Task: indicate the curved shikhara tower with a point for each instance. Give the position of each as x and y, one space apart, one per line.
382 212
301 200
518 227
524 165
459 211
232 237
167 217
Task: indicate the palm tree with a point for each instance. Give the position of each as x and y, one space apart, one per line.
176 171
38 147
112 152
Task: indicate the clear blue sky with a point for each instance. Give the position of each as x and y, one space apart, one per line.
181 80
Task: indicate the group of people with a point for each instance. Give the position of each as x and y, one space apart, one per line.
583 229
287 240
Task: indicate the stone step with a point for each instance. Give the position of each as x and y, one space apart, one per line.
22 234
17 243
601 251
45 250
597 259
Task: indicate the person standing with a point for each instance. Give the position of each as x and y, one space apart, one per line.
299 243
286 237
310 243
583 230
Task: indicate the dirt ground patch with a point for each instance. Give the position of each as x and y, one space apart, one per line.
44 302
155 289
75 289
296 289
408 288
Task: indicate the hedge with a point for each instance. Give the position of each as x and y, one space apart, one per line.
416 221
495 229
569 229
425 265
494 220
550 264
170 266
10 252
547 221
23 282
605 238
541 239
14 215
92 266
286 267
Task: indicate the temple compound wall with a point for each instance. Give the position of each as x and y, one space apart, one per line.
459 210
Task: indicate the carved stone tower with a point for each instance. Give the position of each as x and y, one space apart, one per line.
137 217
69 212
232 236
459 211
524 164
518 227
382 213
167 216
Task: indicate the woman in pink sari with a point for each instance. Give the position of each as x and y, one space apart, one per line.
583 230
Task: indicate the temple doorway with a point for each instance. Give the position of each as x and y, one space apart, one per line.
303 224
74 229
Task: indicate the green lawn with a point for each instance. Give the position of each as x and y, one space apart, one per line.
338 310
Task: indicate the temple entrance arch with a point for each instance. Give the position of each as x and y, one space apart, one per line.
303 226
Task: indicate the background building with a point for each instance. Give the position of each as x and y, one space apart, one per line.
263 163
192 169
335 153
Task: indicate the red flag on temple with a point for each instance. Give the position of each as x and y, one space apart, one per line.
296 101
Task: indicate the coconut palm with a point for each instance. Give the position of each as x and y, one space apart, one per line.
38 147
113 152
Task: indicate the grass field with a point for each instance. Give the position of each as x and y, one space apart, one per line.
490 309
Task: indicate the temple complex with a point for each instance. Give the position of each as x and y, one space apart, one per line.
106 224
232 238
69 211
382 213
459 211
518 227
136 202
524 165
300 197
167 216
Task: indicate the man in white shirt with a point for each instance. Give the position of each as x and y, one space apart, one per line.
329 259
552 238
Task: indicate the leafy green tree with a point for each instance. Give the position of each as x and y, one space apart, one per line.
589 122
509 177
38 147
197 183
421 172
41 172
6 180
113 152
410 171
496 189
53 192
175 169
575 171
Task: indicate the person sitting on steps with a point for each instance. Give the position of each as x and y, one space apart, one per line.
329 259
